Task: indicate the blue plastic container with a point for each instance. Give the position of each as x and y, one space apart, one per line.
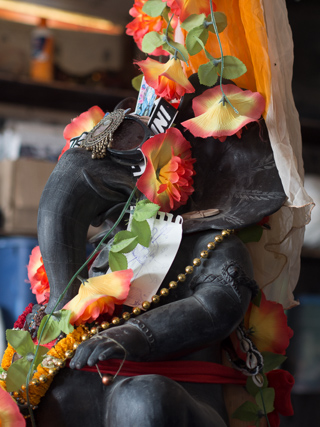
15 292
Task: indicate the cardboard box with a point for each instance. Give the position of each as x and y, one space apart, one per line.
21 185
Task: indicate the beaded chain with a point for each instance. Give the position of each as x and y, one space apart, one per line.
57 357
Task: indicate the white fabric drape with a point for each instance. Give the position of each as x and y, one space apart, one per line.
277 256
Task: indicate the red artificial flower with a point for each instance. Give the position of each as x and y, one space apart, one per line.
282 382
167 180
10 415
267 326
19 323
185 8
213 118
83 123
98 295
38 277
168 80
143 24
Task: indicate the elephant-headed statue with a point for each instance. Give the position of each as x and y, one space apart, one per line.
172 343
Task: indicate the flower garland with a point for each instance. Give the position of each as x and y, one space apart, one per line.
43 375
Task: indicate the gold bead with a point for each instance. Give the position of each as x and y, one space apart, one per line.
211 246
15 394
23 387
85 337
204 254
75 345
136 311
164 292
146 305
69 354
189 269
43 379
218 239
53 371
93 330
105 325
196 262
155 299
181 277
22 402
173 285
61 364
126 315
115 321
35 382
225 232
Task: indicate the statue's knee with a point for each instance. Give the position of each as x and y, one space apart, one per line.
148 400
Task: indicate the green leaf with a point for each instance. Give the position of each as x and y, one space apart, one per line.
221 21
17 374
233 67
252 233
117 261
178 46
136 82
124 242
20 340
51 331
41 352
248 411
154 8
265 400
257 299
144 210
193 21
64 323
254 389
192 44
272 361
142 230
208 75
151 41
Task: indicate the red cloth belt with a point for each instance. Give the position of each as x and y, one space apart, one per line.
178 370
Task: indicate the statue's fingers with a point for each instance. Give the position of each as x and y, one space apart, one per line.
112 352
82 354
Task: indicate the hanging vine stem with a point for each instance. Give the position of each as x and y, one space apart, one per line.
224 96
176 50
30 372
264 408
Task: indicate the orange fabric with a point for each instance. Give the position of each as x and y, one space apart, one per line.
246 38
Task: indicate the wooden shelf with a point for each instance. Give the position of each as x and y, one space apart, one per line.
58 95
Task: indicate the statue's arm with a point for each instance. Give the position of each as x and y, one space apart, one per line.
214 307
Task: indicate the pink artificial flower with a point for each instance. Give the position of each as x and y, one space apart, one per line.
167 180
38 277
216 119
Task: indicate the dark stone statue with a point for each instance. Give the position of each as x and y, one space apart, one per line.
239 178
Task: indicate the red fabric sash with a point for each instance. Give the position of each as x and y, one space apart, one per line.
178 370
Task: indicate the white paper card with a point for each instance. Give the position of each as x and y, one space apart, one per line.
150 265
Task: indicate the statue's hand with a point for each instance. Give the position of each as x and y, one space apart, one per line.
112 344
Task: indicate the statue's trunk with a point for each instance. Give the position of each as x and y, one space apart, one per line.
77 192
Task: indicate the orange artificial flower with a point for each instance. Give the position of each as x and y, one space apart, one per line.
213 118
185 8
98 295
267 326
38 277
10 415
168 80
167 180
83 123
143 24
